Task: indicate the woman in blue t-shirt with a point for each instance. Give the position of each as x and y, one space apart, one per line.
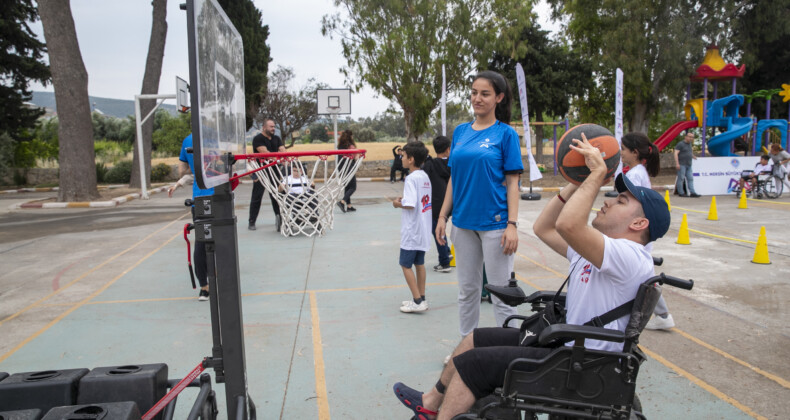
483 195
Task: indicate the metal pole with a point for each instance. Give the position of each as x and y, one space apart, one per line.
140 151
704 113
733 85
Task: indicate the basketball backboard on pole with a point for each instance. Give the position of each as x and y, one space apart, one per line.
333 102
182 95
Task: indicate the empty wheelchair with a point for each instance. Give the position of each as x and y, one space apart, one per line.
573 382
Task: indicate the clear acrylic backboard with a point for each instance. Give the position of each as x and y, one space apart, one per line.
216 69
333 101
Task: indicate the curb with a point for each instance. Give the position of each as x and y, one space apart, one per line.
87 204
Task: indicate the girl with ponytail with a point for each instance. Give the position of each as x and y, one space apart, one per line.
483 196
641 156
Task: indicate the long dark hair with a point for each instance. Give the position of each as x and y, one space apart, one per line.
646 152
501 85
346 140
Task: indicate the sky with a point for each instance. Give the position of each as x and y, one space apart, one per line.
114 34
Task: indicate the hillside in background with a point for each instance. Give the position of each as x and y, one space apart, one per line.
119 108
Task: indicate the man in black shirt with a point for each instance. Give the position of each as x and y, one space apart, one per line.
264 142
439 173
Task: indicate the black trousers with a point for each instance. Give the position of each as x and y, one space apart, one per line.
255 202
199 259
403 172
350 188
483 368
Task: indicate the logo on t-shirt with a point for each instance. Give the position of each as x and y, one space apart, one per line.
426 203
485 143
585 276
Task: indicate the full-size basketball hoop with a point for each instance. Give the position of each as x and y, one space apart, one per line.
307 203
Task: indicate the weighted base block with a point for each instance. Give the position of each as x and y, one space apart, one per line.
34 414
125 410
42 390
143 384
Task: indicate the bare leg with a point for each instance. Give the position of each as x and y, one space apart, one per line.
432 399
420 278
412 282
459 399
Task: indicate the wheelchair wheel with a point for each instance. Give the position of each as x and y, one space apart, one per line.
773 187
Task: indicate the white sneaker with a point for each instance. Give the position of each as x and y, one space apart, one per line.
410 307
406 302
659 323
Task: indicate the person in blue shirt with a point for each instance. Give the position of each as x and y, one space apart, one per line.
483 196
186 165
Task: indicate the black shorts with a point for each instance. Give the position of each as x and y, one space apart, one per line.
483 368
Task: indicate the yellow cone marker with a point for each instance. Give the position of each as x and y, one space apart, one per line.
666 198
761 251
742 203
452 253
713 214
683 234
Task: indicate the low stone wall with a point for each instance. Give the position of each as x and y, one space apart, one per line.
34 176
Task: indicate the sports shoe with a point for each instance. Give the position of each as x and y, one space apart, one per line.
349 208
406 302
342 206
660 323
442 268
694 195
410 307
251 226
203 295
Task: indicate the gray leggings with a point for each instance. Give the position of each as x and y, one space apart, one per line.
472 249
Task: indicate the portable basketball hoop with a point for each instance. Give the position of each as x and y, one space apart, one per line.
306 203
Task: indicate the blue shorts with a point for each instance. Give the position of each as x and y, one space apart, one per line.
410 257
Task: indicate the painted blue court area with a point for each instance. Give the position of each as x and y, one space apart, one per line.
324 337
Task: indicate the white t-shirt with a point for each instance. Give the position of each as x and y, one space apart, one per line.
296 185
593 292
638 176
760 168
415 224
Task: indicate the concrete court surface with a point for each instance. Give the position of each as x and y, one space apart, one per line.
324 337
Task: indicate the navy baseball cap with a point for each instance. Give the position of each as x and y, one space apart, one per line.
653 205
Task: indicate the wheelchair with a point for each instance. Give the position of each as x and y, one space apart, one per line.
573 382
767 184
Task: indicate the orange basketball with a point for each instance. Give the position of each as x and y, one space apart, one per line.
571 163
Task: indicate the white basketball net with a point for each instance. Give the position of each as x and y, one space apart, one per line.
306 204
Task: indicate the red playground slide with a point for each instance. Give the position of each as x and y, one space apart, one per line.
672 132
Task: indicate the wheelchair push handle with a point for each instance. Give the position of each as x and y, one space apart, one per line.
658 261
672 281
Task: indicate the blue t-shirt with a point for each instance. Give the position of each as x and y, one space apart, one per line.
479 161
188 158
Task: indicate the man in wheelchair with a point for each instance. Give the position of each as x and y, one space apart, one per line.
608 262
753 176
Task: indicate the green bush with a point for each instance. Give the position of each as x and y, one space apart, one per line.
101 172
111 151
121 173
161 172
26 152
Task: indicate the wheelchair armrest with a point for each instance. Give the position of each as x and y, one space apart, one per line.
574 332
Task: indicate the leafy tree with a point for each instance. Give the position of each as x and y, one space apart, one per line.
319 131
70 80
247 20
153 72
656 44
168 138
553 73
21 61
399 47
290 109
762 35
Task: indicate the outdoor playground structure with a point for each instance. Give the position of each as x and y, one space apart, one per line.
724 113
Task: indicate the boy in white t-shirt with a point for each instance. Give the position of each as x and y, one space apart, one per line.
764 167
415 229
